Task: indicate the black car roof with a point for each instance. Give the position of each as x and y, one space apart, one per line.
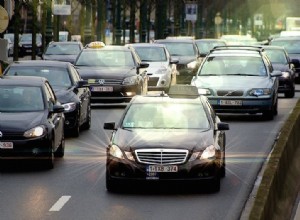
22 80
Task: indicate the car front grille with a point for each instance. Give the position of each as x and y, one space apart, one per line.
161 156
230 93
106 82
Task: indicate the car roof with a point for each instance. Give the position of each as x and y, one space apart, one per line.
66 42
210 40
22 80
40 63
174 40
273 47
237 50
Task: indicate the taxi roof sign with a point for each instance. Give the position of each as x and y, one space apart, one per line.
96 44
183 91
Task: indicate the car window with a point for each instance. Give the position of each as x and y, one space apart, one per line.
62 49
231 65
276 56
180 49
166 116
105 58
58 77
151 54
21 98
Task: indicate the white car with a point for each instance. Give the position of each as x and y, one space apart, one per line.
162 68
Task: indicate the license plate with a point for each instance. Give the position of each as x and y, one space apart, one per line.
102 89
231 102
6 145
28 51
162 169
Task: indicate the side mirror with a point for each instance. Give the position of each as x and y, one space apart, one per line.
58 108
276 73
143 65
222 126
109 126
82 83
296 62
174 61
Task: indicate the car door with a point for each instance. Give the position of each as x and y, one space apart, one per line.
55 119
83 94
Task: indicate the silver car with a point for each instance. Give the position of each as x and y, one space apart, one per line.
162 68
239 79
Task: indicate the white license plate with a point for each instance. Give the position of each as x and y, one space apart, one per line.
231 102
162 169
102 89
6 145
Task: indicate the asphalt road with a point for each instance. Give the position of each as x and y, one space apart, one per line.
75 188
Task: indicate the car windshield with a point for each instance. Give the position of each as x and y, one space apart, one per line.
57 77
105 58
276 56
206 46
166 116
62 49
151 54
180 49
20 99
233 65
291 46
28 37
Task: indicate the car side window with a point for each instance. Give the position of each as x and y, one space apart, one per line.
51 99
75 75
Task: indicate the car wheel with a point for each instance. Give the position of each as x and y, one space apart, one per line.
87 124
111 185
49 161
290 94
60 152
214 185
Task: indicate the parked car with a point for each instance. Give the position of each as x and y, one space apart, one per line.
167 139
114 73
10 44
62 51
25 44
162 67
71 90
239 79
32 120
292 47
186 51
281 61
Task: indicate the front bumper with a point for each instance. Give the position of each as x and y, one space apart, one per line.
27 148
248 105
113 93
124 170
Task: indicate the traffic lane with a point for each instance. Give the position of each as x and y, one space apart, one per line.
81 175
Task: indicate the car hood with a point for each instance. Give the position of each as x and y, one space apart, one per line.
65 95
66 58
106 73
185 59
230 82
131 139
20 122
154 66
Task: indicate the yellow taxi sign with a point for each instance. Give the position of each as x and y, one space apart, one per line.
96 44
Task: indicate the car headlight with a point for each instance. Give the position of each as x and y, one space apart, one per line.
115 151
69 107
204 92
260 92
192 65
285 74
129 80
208 153
35 132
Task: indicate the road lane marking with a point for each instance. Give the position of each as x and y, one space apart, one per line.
59 204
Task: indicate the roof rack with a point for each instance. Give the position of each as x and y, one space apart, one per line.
237 47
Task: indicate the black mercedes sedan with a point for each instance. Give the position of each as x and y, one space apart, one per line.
114 73
31 120
69 87
167 139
